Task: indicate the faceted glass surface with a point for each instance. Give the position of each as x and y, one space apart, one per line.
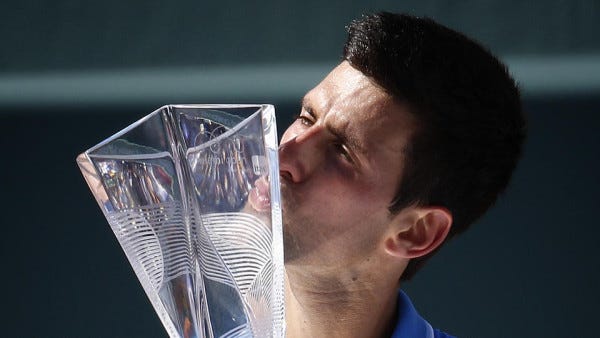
192 194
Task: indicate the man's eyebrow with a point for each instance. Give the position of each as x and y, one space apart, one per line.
306 105
352 142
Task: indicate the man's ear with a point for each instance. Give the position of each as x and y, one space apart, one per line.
419 233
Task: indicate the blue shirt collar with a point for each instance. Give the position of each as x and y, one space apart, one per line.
410 324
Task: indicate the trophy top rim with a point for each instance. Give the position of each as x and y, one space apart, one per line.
260 108
216 105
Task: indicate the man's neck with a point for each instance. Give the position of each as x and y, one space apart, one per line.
343 307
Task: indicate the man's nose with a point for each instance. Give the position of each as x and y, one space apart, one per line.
300 155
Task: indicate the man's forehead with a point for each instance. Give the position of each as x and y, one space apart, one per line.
363 111
346 89
347 84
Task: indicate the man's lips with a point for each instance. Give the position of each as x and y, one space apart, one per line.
259 196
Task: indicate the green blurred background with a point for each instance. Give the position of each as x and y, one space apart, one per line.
74 72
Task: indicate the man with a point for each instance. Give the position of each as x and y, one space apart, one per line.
402 146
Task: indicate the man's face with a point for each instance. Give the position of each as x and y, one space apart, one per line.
341 163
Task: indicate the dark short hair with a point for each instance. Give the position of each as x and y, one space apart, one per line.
468 110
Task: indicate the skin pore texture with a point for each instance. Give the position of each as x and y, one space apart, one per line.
341 162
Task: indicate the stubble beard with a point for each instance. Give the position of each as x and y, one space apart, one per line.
292 225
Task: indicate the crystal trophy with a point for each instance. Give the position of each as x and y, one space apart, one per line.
192 195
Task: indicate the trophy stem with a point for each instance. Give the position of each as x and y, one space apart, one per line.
190 287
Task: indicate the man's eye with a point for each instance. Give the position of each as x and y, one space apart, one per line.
343 152
304 120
